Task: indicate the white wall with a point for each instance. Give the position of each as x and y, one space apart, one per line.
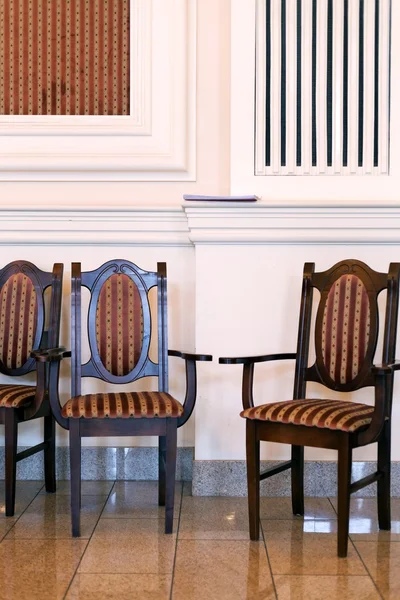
234 272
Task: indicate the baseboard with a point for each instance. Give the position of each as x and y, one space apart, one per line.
105 463
209 477
228 478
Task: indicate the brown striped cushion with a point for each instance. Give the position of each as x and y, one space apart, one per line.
345 329
324 414
125 405
119 324
16 396
18 320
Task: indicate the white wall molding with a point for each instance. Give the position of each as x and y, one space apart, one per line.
295 223
155 143
136 226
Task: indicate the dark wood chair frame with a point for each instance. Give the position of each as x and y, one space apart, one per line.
40 407
378 376
164 428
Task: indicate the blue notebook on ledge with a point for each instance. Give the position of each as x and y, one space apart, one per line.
195 197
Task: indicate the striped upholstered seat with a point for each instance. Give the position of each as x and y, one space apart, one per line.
324 414
16 396
123 405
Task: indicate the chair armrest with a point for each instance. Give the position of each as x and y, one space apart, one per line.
191 381
50 354
187 356
247 360
386 369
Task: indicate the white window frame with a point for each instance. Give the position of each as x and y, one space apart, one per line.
363 189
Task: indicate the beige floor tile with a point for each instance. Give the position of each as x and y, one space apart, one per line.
281 508
130 546
382 560
322 587
91 488
224 570
138 500
50 517
119 587
308 548
364 520
38 569
24 494
214 518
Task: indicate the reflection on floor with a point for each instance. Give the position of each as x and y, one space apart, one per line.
123 552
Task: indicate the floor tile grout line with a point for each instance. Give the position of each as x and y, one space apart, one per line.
176 543
23 512
359 555
269 561
367 570
88 541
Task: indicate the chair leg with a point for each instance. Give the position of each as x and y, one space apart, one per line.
344 480
384 483
253 478
75 462
50 453
162 447
298 480
10 431
170 469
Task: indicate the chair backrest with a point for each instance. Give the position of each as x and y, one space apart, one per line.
119 324
22 314
346 326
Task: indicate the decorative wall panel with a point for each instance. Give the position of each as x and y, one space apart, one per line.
64 57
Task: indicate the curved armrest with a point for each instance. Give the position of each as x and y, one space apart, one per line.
247 360
50 354
187 356
191 381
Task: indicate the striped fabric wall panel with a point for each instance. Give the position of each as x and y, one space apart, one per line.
64 57
322 87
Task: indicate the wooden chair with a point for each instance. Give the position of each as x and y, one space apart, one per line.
119 328
346 335
23 328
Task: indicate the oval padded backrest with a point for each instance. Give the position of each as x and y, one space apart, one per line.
18 320
345 329
119 324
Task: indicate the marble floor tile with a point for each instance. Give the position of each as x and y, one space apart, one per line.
307 548
214 518
38 569
50 517
110 586
221 569
24 494
281 508
89 488
364 520
138 500
130 546
382 560
309 587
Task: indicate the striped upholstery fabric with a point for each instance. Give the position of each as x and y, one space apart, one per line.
16 396
119 324
345 329
324 414
64 57
18 320
125 405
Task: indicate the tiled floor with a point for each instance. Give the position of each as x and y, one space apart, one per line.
123 552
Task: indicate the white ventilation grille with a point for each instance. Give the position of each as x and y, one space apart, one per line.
322 87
